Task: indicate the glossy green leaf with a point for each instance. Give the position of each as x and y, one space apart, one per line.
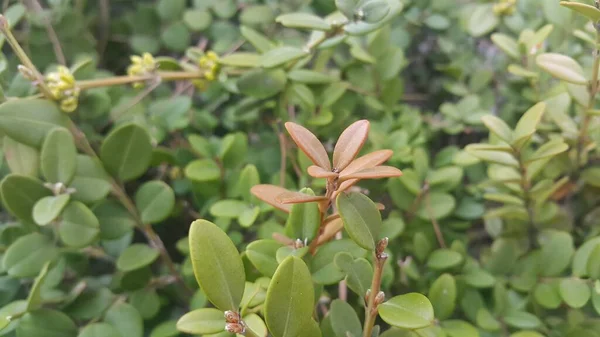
20 194
591 176
126 319
21 159
115 221
507 44
359 272
261 254
410 311
323 267
217 265
34 299
197 20
491 155
582 255
498 127
303 21
436 205
241 59
228 208
59 157
79 226
482 20
99 330
256 39
28 255
304 219
547 295
575 292
47 209
11 309
458 328
522 320
593 265
347 7
136 256
374 11
46 323
202 321
28 121
280 56
126 152
203 170
155 201
586 10
289 303
557 251
550 149
91 182
528 123
562 67
442 295
344 319
444 258
262 83
361 217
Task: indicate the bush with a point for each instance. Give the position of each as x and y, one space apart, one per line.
349 168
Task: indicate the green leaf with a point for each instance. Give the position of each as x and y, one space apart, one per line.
482 20
527 124
155 201
591 176
527 334
136 256
557 251
49 208
21 159
547 295
359 272
46 323
437 206
323 267
262 83
550 149
170 10
304 219
28 121
241 59
115 221
99 330
262 254
575 292
289 303
28 255
203 170
443 295
344 319
410 311
457 328
374 11
593 265
79 226
494 156
217 265
498 127
586 10
347 7
34 300
91 182
20 194
479 278
12 309
165 329
197 20
202 321
507 44
562 67
256 39
361 218
306 76
280 56
581 257
522 320
147 302
127 151
444 259
303 21
59 157
126 319
228 208
254 15
487 321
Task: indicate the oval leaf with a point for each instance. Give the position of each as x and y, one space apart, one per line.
126 152
410 311
361 217
155 201
59 157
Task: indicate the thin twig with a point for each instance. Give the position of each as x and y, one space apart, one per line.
104 6
37 8
375 298
436 225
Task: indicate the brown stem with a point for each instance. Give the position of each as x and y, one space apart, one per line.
587 119
120 80
35 6
374 298
118 191
436 226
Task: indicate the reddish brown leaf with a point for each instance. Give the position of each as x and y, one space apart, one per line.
319 172
269 194
344 186
289 197
367 161
349 144
376 172
309 144
330 230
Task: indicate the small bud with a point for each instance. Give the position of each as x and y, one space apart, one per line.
26 72
298 244
381 246
232 317
235 328
3 22
367 295
379 298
